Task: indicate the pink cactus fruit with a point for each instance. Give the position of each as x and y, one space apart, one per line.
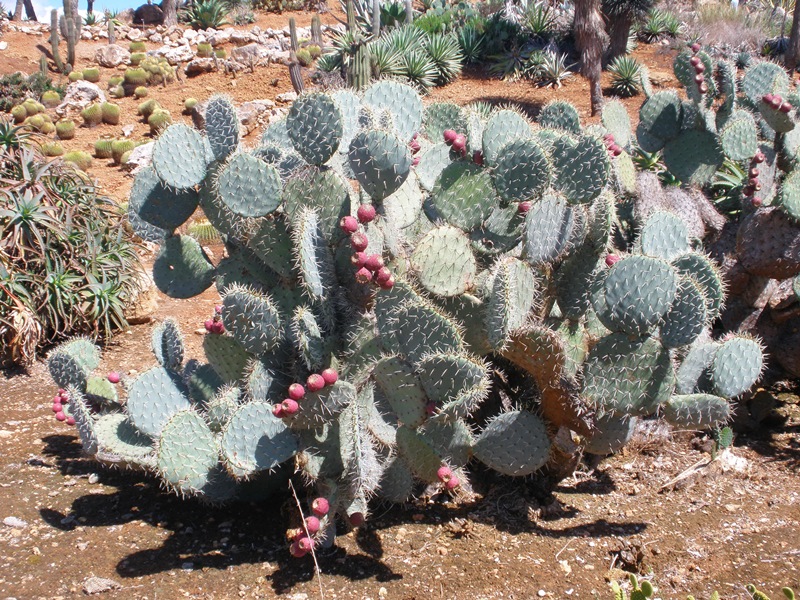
330 376
320 507
296 391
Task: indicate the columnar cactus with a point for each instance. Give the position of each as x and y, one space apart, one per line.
498 247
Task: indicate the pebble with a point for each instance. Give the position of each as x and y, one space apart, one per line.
15 522
187 566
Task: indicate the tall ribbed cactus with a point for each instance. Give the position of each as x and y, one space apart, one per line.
357 329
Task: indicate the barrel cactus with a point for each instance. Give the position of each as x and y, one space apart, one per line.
381 283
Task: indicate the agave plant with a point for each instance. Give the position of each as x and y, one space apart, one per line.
553 69
470 41
626 76
446 55
655 27
203 14
13 136
92 19
420 69
539 20
512 64
727 187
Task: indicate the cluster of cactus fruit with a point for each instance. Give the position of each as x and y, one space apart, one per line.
530 312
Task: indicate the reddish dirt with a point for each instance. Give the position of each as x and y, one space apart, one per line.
515 540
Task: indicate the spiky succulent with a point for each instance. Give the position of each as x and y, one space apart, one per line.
626 76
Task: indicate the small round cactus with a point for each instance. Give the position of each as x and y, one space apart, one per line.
91 74
51 98
82 160
92 115
140 91
110 113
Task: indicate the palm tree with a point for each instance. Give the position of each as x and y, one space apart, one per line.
590 39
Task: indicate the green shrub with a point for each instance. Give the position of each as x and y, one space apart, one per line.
102 148
92 74
119 148
81 159
220 53
92 115
65 130
72 272
52 149
51 99
110 113
140 92
137 47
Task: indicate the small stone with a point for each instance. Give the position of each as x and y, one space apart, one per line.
541 593
15 522
99 585
187 566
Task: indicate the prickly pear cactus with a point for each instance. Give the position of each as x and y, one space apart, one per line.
374 278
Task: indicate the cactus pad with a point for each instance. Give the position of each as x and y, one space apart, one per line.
314 124
693 156
580 167
222 126
252 319
737 366
159 205
616 120
179 157
687 317
664 235
609 434
380 161
697 411
739 137
463 195
167 344
764 78
513 294
560 114
444 262
514 443
402 389
402 102
248 186
181 269
154 397
522 171
502 127
548 227
254 440
186 452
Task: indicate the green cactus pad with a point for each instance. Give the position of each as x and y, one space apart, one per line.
452 440
441 116
255 440
628 377
687 317
501 232
72 362
660 119
401 101
432 162
502 127
313 255
514 443
349 105
573 281
540 352
381 420
181 269
263 380
764 78
456 383
560 114
789 198
203 382
739 137
314 124
222 126
402 208
318 407
638 292
444 262
513 294
166 343
79 410
320 457
707 274
248 186
616 120
694 156
694 373
159 205
277 134
581 167
226 355
307 339
99 390
420 329
778 121
609 434
624 174
222 407
469 311
737 366
154 397
418 454
402 390
362 468
116 435
397 481
186 452
685 73
381 162
464 195
522 171
321 189
664 235
252 319
698 411
179 157
272 243
548 227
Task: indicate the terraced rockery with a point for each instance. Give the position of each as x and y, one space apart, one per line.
313 361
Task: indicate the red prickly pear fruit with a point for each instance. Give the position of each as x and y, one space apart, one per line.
348 224
358 259
114 377
695 47
756 201
58 407
415 161
382 275
218 327
373 262
277 410
60 416
356 519
460 143
703 87
444 474
430 408
754 172
315 382
753 181
609 137
290 407
363 275
747 190
759 157
616 150
359 242
330 376
477 157
366 213
306 544
218 309
452 483
414 146
699 78
61 391
524 207
312 524
57 399
388 284
209 324
450 136
611 259
695 60
767 98
70 421
785 107
296 551
296 391
320 506
699 68
776 102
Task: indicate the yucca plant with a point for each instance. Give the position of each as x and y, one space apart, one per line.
539 20
553 69
419 69
626 76
203 14
470 40
673 26
446 55
655 27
